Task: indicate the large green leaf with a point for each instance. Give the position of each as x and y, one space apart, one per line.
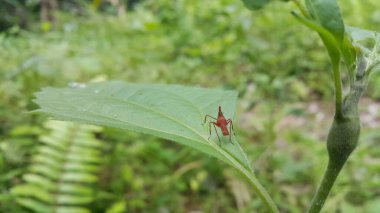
168 111
327 14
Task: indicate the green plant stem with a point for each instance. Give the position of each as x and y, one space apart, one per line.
343 136
301 8
324 189
260 190
250 176
338 88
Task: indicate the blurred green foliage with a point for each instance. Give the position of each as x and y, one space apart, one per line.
278 67
62 171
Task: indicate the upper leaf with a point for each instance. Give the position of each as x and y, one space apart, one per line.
167 111
369 43
359 34
327 14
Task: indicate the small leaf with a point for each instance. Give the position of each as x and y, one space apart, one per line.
71 188
79 166
39 181
327 14
255 4
72 199
46 171
51 152
71 209
168 111
32 191
51 141
76 157
358 34
37 206
78 177
349 55
46 160
369 44
117 207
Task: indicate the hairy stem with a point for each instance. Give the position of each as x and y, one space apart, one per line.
343 136
342 140
324 189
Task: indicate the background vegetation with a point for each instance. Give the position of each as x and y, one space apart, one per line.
281 77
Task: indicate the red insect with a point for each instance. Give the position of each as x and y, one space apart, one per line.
222 123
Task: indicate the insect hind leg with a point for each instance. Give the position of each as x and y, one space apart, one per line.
216 132
232 131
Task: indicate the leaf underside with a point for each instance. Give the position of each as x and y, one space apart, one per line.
168 111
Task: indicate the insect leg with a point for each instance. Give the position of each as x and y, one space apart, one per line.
216 131
231 125
208 116
209 127
231 128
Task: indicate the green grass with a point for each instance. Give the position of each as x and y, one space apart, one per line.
276 65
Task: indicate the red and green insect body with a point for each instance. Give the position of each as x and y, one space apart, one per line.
221 122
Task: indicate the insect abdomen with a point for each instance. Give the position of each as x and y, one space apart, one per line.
225 131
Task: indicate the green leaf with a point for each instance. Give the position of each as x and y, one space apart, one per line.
46 171
327 14
328 39
70 209
74 157
369 44
117 207
39 181
172 112
62 171
349 55
71 188
79 177
78 166
72 199
358 34
168 111
37 206
51 152
33 191
255 4
51 141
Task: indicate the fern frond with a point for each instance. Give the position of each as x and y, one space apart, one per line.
61 173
